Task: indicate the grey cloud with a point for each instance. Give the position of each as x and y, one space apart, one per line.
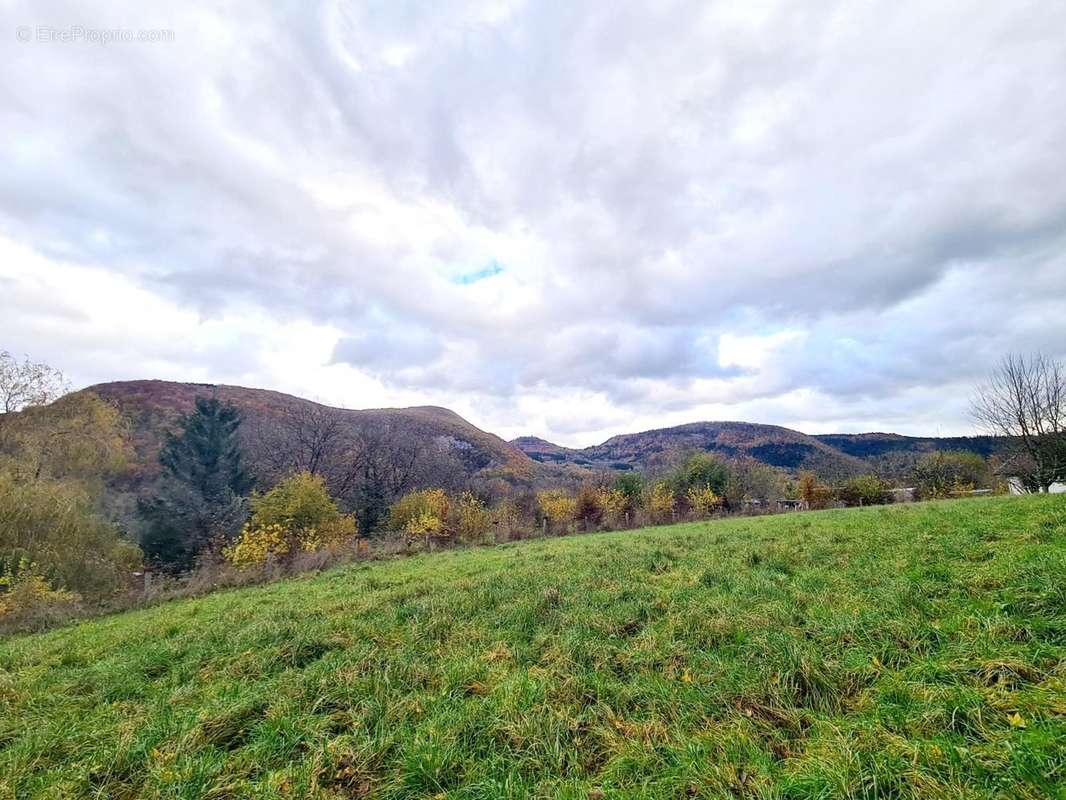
680 172
390 348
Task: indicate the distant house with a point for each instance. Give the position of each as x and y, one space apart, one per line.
1016 486
900 495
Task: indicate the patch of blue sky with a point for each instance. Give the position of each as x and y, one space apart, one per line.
468 278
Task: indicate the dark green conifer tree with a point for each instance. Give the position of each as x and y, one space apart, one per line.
201 496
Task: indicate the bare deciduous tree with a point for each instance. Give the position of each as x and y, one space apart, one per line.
310 437
28 383
1025 399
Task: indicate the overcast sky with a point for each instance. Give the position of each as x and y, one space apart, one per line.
561 219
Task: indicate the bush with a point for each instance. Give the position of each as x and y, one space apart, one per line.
614 503
54 525
588 506
299 501
631 485
28 602
471 519
702 500
865 490
296 515
420 512
556 505
814 493
945 473
661 502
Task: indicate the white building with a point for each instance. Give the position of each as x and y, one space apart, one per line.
1016 486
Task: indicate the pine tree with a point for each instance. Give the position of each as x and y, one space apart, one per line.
200 501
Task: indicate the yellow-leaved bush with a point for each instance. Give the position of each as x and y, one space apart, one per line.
613 501
472 519
557 505
296 515
702 499
421 512
661 501
28 601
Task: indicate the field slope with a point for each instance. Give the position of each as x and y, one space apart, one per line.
915 651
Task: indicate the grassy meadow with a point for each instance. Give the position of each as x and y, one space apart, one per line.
907 651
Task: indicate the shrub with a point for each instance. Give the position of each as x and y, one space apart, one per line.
702 500
814 493
299 501
661 501
257 543
54 525
944 473
28 602
471 518
425 511
556 505
631 485
588 507
296 515
613 501
865 490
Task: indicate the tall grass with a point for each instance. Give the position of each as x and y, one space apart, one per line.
901 651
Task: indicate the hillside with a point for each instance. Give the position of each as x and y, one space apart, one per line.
153 407
874 445
770 444
908 651
830 455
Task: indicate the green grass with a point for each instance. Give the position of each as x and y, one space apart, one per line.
912 651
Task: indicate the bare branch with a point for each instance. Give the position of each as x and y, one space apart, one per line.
1025 400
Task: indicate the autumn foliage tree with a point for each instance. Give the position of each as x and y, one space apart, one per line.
813 492
297 515
27 384
421 512
557 506
661 501
588 506
55 454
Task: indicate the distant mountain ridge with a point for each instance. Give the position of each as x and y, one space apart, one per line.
866 445
829 455
153 406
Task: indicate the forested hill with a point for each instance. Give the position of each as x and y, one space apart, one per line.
874 445
280 428
830 455
429 444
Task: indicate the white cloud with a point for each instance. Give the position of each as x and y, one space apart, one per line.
828 215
